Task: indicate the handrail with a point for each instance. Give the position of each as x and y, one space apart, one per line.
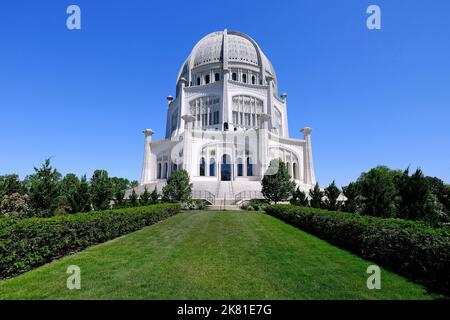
205 195
248 195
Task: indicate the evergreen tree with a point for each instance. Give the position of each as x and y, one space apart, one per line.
119 199
378 191
83 195
101 190
316 196
133 200
145 197
351 192
70 185
332 193
44 190
299 198
178 187
277 184
154 196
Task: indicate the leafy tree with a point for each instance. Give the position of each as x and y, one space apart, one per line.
133 200
378 191
134 184
299 198
316 196
351 192
145 198
154 196
70 185
178 187
83 195
101 190
441 191
14 205
332 194
9 184
413 192
119 184
44 190
277 184
119 199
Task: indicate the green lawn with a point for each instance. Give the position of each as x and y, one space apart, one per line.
212 255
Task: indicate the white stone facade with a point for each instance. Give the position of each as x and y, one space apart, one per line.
226 123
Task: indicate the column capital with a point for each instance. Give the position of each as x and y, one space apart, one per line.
284 96
148 132
188 118
306 131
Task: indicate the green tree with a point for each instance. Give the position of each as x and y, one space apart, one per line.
154 196
119 199
299 198
69 189
83 195
101 190
316 196
178 187
351 193
133 200
145 198
441 191
9 184
134 184
277 184
332 193
44 190
14 205
119 184
378 191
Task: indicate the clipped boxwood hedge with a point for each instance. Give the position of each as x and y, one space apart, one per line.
31 242
410 248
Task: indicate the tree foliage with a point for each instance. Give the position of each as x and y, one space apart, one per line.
299 198
316 196
277 184
351 193
101 190
178 187
332 193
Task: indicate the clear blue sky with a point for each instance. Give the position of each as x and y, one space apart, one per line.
84 97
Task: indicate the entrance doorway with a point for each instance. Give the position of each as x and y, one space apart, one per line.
226 168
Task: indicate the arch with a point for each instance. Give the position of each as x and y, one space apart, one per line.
212 167
249 167
202 167
253 80
225 168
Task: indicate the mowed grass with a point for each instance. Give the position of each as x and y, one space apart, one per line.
212 255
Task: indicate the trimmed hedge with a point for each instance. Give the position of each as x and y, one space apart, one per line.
410 248
31 242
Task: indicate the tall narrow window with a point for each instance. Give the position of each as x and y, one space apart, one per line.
202 167
212 167
253 80
249 167
159 171
234 76
207 79
244 78
294 170
240 168
198 81
216 77
166 170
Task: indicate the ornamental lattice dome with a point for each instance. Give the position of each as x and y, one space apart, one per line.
227 49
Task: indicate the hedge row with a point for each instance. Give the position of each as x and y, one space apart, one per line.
31 242
410 248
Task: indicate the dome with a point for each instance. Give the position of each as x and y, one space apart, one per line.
226 48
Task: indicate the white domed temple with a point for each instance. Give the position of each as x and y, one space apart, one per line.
226 123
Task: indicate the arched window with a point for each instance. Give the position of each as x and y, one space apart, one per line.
294 170
212 167
198 81
202 167
253 80
244 78
216 77
249 167
234 76
240 168
288 167
159 171
165 170
207 79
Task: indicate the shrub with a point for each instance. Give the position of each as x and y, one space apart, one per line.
410 248
299 198
14 205
178 187
255 204
277 184
196 204
28 243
